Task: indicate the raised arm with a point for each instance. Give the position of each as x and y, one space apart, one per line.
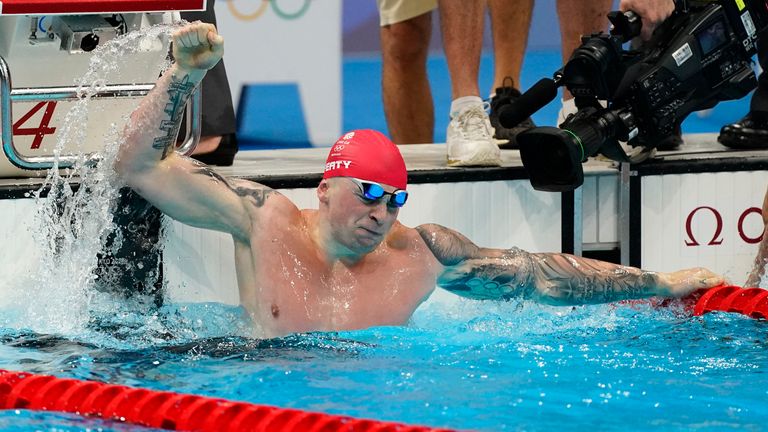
551 278
181 187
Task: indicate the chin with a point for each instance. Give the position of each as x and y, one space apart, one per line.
367 245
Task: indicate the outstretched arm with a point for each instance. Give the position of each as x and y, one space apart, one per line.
181 187
552 278
758 270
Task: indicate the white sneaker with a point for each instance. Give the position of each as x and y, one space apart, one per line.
470 139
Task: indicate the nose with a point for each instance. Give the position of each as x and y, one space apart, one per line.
379 211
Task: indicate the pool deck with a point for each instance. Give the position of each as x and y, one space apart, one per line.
426 163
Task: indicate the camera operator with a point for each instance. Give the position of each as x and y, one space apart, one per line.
752 130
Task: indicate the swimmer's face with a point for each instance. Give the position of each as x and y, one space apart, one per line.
357 223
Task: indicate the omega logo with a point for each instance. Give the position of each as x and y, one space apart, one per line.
717 238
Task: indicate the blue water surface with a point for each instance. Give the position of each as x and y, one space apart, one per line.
483 366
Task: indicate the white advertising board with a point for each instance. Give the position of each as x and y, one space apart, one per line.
707 219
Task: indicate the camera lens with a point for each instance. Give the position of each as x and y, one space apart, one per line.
552 158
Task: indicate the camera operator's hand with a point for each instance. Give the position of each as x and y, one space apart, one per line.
197 46
652 12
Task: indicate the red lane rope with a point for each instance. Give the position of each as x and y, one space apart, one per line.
173 411
752 302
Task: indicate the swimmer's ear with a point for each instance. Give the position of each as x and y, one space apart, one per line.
322 191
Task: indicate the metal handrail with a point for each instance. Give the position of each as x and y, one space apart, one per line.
9 95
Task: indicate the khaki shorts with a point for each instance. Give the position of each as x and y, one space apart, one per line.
395 11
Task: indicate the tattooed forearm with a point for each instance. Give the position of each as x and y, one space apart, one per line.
178 93
551 278
567 279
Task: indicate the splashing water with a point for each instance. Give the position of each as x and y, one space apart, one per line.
74 209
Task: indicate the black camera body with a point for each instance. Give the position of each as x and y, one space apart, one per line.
698 57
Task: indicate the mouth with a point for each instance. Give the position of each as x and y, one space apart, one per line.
371 232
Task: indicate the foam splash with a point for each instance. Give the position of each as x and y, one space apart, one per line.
75 207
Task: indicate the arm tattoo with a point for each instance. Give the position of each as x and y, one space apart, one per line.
549 277
178 93
490 279
448 246
255 194
472 271
258 196
567 279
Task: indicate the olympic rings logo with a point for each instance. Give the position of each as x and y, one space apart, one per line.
280 11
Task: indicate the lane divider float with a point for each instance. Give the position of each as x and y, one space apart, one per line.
172 411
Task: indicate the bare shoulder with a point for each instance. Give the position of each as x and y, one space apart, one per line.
404 237
409 240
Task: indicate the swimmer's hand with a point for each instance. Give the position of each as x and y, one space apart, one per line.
684 282
197 46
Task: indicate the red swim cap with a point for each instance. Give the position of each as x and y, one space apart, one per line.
368 155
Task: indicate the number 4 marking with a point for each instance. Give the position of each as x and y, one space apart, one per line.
42 129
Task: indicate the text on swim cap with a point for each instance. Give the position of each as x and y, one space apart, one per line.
337 164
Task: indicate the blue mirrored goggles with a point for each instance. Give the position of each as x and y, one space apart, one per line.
373 191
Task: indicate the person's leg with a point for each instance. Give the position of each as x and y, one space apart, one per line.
510 22
469 136
759 102
462 28
405 85
752 130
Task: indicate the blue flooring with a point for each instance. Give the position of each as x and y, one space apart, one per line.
281 104
362 102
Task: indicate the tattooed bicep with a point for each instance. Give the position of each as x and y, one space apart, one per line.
204 170
447 245
255 193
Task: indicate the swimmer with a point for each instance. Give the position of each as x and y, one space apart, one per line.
349 264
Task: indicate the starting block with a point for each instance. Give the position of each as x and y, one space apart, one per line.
45 45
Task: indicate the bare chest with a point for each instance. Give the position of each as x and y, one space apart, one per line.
292 291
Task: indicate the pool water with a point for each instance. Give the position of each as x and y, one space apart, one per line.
484 366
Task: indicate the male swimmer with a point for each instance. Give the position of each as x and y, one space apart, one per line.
349 264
